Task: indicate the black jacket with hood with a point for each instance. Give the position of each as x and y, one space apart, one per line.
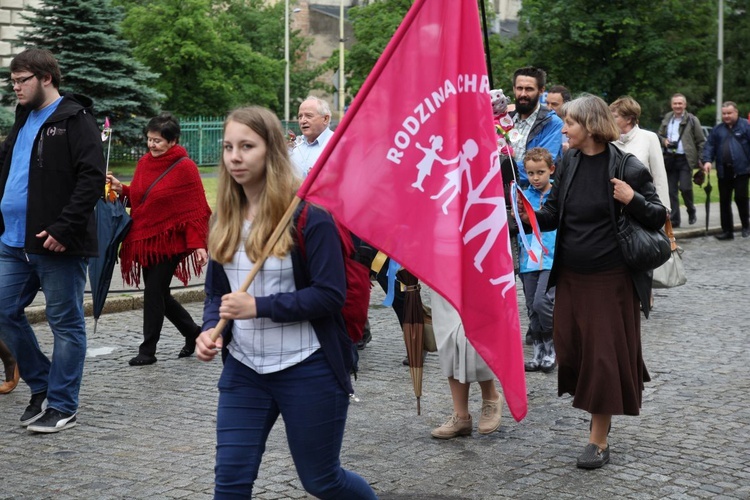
66 177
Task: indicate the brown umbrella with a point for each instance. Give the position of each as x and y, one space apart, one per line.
413 330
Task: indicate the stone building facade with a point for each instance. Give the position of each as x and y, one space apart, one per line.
11 24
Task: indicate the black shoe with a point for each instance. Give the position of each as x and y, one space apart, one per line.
692 219
724 236
745 232
35 409
187 350
53 421
142 360
592 457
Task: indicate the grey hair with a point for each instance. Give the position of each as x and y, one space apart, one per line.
593 114
323 108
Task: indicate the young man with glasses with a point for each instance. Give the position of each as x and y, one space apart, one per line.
51 175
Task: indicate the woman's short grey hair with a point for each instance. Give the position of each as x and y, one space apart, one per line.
593 114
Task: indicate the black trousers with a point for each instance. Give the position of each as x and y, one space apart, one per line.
158 303
738 184
680 180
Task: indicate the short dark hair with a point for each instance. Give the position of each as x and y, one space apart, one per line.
165 124
539 74
563 91
41 62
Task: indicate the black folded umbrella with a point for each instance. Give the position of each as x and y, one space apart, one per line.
112 224
708 188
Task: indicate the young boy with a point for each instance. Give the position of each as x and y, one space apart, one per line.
539 167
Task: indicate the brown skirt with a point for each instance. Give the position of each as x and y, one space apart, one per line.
597 332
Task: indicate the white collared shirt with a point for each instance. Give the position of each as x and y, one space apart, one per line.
305 154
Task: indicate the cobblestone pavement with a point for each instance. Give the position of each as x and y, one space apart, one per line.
148 432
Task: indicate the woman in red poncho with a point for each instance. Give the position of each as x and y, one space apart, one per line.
169 233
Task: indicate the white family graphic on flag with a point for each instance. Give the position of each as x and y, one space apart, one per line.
455 178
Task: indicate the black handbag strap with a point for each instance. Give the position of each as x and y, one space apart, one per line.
614 204
688 123
143 199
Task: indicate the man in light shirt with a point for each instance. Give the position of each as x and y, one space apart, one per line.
314 118
682 139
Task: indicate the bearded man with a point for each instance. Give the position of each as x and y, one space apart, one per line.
536 126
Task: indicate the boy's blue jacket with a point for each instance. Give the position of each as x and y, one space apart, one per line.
537 199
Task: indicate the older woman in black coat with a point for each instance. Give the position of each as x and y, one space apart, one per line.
598 298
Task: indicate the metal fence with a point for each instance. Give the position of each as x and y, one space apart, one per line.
201 136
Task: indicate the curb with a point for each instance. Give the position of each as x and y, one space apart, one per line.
120 303
698 232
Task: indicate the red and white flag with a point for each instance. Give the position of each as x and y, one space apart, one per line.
413 169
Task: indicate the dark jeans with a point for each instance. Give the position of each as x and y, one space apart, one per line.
539 302
680 180
313 406
738 184
158 303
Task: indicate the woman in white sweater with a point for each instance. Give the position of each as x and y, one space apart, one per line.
641 143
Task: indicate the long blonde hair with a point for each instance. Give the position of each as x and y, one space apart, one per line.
279 187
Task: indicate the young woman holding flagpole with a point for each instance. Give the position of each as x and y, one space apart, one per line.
286 351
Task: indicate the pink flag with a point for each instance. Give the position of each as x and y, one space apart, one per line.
413 169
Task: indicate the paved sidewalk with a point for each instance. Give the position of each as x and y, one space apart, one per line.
148 432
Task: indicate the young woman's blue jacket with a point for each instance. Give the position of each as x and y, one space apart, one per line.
321 290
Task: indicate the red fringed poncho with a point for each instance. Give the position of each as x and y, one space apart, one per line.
172 221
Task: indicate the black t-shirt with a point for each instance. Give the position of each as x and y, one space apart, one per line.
588 242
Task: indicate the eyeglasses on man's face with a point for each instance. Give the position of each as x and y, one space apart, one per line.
20 81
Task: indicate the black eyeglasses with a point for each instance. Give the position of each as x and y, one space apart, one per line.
21 81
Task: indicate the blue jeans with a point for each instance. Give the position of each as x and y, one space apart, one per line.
62 280
313 406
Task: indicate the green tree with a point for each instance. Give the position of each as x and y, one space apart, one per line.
261 26
373 25
645 48
95 61
203 65
736 54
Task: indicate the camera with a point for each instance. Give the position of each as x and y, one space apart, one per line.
672 146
